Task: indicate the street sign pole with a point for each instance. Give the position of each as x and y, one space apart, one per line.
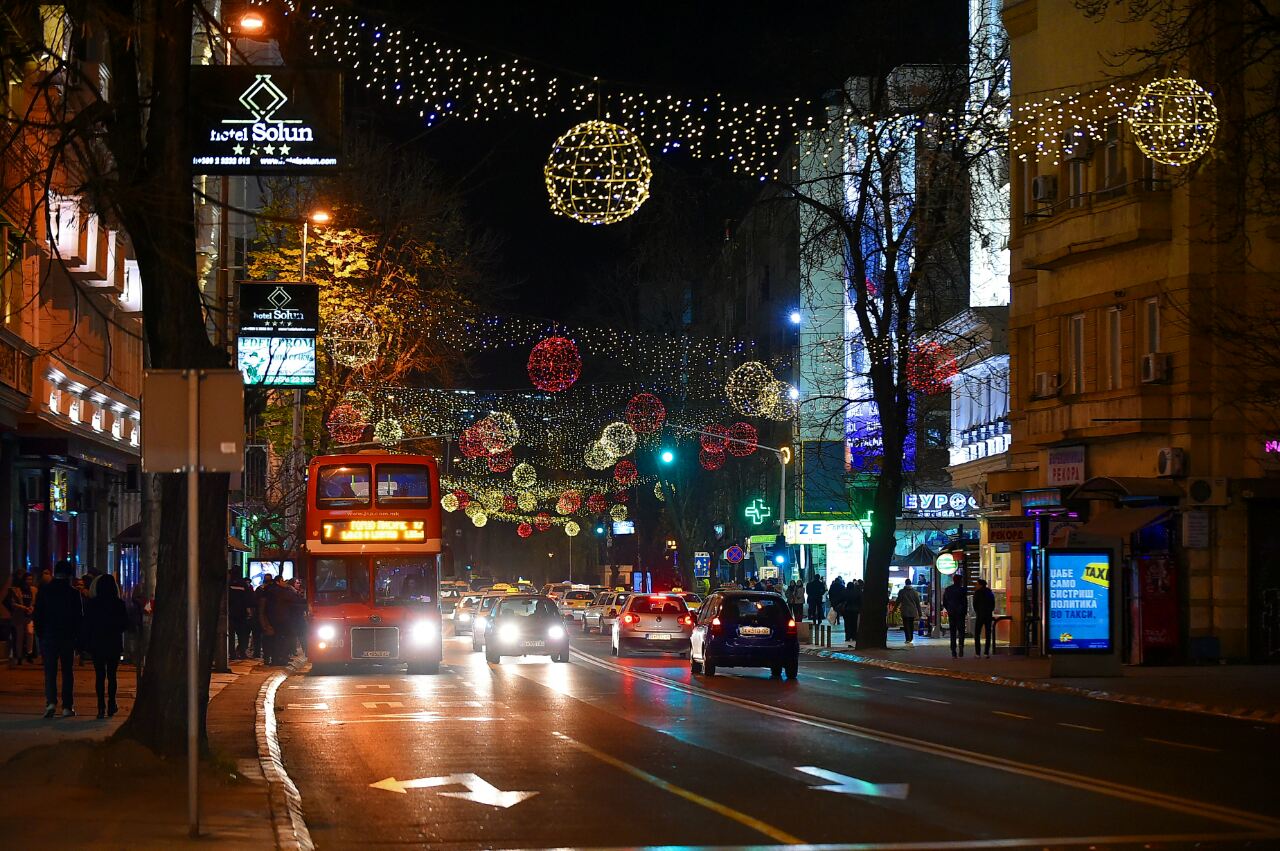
193 599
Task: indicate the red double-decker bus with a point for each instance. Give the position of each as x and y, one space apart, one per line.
373 561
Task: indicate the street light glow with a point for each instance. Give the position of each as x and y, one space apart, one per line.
321 217
794 393
796 317
252 22
667 456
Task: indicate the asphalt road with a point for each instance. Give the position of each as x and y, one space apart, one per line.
637 752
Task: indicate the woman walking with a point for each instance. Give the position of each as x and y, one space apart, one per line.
105 623
21 603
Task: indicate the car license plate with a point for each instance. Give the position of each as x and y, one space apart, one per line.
376 653
535 644
753 630
658 636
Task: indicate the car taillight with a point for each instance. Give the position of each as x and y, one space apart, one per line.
791 626
630 619
716 628
686 620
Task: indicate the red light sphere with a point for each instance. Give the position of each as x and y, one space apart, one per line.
625 473
713 438
554 364
711 460
597 503
464 499
471 443
508 502
346 424
930 367
571 500
621 496
744 439
542 521
524 530
502 462
646 413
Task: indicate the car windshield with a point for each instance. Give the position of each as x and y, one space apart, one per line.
468 602
404 484
526 607
487 603
579 595
404 580
344 486
691 598
657 606
760 609
341 580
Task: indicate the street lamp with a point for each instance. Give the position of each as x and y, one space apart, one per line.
316 217
782 453
251 22
795 317
667 456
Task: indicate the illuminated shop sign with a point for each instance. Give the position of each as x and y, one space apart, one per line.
277 342
357 531
264 120
952 504
1079 601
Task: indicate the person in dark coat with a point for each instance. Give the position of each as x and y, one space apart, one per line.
276 609
240 609
956 603
815 589
835 597
852 609
57 617
105 621
984 613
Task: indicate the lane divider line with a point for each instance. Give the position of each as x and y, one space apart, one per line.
1011 715
1175 803
283 796
1081 727
1182 745
742 818
929 699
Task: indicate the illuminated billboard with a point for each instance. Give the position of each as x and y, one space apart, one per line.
1079 597
358 531
276 346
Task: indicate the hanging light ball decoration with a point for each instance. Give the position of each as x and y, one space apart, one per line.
621 495
618 439
449 502
524 475
778 401
498 432
352 339
554 364
478 518
625 473
388 431
359 400
618 513
743 440
711 460
471 443
572 529
502 462
597 457
509 502
570 500
524 530
346 424
526 501
658 493
491 500
597 503
1173 120
930 367
542 521
747 386
598 173
463 498
713 438
646 413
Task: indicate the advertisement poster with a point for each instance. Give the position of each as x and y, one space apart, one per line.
1079 601
277 342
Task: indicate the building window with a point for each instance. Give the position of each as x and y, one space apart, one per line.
11 293
1075 352
1113 348
1077 183
1151 325
1113 170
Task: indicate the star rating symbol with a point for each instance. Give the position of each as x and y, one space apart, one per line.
253 151
237 150
284 150
270 149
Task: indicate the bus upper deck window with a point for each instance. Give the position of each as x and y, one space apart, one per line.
404 484
345 486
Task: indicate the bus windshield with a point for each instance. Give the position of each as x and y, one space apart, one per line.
404 484
341 580
343 487
404 580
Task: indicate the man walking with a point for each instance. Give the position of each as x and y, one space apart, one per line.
956 602
852 609
240 608
909 608
984 612
835 597
57 616
815 589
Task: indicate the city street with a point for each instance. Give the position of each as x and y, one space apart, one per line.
606 752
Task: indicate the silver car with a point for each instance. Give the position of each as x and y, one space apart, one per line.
464 614
659 622
603 611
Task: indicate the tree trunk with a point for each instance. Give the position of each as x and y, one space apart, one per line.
873 629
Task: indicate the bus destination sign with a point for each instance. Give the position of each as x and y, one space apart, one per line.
356 531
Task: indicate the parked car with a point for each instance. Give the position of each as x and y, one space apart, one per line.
745 629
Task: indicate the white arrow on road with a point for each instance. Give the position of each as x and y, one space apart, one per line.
479 790
846 785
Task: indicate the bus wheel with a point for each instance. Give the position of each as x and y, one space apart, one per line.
432 667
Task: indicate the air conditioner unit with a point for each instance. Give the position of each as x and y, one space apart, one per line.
1155 368
1171 462
1044 187
1077 146
1205 491
1046 385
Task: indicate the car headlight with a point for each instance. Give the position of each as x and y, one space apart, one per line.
422 632
464 617
508 632
326 632
556 632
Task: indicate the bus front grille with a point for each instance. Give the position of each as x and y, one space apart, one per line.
378 642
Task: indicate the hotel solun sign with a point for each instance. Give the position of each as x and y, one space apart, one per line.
264 120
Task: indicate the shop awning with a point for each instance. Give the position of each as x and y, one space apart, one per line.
234 543
1127 487
921 556
1123 522
132 537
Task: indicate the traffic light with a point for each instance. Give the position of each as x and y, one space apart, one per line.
599 530
667 456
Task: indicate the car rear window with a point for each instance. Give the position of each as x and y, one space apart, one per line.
579 595
760 609
658 606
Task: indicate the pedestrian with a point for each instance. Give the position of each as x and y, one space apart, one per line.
298 613
795 596
852 609
835 596
909 608
105 621
21 604
239 616
276 608
984 612
257 635
815 589
57 617
955 600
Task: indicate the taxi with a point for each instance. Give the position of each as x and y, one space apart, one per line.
574 602
480 622
603 610
692 600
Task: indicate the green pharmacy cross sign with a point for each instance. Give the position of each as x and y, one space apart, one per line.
757 512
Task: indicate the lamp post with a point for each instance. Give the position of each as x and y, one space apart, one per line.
783 454
319 217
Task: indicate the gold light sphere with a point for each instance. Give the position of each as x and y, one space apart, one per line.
524 475
572 529
352 339
478 518
449 502
526 500
597 457
1173 120
598 173
618 439
618 513
388 431
749 389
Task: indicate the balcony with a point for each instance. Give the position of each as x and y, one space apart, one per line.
1135 410
1086 227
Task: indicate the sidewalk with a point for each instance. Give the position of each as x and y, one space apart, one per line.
119 794
1250 692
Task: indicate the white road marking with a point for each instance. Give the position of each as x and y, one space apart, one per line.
364 685
1011 715
390 704
479 790
1182 745
929 699
1081 727
316 706
843 784
897 679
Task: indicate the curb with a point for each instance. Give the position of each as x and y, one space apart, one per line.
286 802
1263 716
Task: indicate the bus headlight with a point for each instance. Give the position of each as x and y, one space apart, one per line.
326 632
508 633
556 632
422 632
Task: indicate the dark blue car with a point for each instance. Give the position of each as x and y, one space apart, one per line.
745 629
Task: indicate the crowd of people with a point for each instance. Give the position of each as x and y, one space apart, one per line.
267 622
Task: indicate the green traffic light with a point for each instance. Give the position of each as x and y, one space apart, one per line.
667 456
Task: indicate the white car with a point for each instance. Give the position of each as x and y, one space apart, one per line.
603 611
575 602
